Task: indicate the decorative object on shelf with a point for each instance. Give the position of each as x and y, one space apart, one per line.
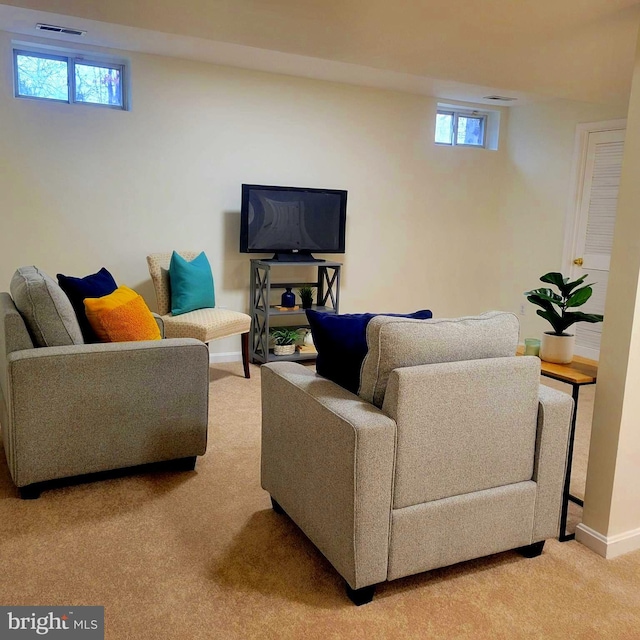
280 308
308 338
310 349
288 298
284 339
305 342
557 345
306 296
531 347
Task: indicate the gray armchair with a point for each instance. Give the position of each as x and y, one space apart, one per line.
451 451
78 409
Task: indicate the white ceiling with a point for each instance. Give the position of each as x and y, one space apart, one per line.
464 49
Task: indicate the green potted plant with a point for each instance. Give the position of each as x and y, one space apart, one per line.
557 308
284 339
306 297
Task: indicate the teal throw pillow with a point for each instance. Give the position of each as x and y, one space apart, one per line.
191 284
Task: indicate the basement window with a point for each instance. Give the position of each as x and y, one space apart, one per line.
461 128
70 77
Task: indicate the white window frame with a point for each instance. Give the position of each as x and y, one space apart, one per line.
71 58
467 113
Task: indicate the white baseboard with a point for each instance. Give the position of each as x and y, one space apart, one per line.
230 356
608 546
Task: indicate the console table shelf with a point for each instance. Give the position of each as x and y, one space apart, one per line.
263 311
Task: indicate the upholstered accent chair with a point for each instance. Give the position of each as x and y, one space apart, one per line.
450 451
70 409
203 324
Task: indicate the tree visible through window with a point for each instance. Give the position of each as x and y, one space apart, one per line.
40 77
68 79
98 85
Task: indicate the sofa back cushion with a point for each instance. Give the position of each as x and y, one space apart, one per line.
401 342
45 308
462 426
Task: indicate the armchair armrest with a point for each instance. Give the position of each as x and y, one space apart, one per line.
552 439
85 408
327 458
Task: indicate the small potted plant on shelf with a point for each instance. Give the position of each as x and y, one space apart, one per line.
558 345
284 339
306 297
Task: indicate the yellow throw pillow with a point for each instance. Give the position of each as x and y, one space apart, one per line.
121 316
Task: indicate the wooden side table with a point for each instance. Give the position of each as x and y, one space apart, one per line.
578 373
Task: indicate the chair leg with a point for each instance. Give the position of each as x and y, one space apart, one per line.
276 506
184 464
245 354
30 492
361 596
532 550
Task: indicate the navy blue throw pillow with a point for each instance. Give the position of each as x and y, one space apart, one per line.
341 343
95 285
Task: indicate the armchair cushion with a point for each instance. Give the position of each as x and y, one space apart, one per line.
405 342
341 342
94 285
121 316
45 308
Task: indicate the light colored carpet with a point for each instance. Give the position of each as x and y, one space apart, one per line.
200 554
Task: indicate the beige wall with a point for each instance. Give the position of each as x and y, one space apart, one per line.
452 229
612 499
537 185
85 187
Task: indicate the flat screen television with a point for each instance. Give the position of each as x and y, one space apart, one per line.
292 222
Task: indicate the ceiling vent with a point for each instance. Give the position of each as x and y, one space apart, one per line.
500 98
55 29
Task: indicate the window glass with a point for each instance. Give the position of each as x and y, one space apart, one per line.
67 76
466 128
42 77
470 131
444 128
98 85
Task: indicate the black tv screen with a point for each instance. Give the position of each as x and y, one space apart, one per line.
292 220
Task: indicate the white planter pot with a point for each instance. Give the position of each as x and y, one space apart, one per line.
558 349
284 349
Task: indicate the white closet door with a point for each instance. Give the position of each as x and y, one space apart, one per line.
596 221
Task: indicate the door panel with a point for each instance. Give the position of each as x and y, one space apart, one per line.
588 335
596 222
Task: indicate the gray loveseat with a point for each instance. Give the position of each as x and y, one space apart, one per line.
450 451
76 409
